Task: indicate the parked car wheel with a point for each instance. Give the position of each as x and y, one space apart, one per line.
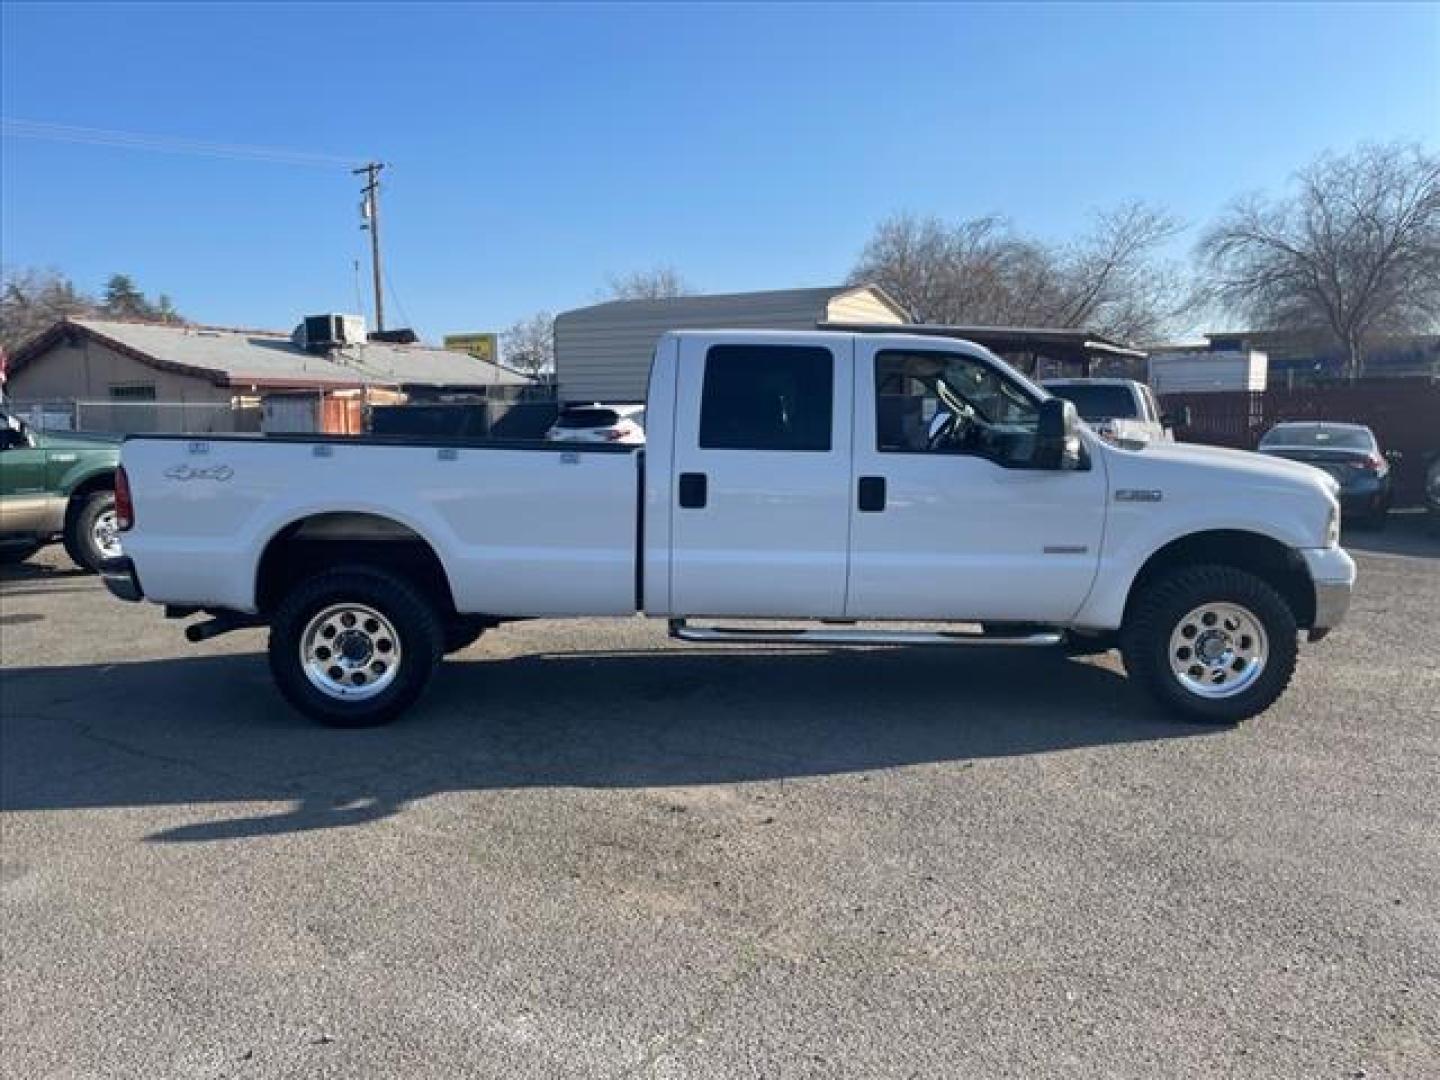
1213 643
354 647
16 553
92 532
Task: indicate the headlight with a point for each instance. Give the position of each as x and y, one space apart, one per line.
1332 527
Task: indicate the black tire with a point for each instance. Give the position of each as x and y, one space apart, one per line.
460 635
1158 611
80 542
417 627
10 554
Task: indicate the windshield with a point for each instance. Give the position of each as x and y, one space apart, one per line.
1319 435
1098 402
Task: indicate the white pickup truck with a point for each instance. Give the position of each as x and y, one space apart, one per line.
831 486
1120 410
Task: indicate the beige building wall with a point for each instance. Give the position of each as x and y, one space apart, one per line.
860 306
89 371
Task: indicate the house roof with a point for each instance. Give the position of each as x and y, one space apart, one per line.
818 297
268 359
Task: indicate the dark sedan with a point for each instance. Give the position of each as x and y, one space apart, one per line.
1349 453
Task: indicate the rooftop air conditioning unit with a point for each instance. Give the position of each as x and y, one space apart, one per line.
321 333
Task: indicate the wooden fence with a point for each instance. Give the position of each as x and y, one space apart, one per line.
1403 413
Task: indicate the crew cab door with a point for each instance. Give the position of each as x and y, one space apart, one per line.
958 525
760 503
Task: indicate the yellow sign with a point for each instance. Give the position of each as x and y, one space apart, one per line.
481 346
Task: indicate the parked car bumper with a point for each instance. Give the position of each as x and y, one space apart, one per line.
120 578
1365 498
1332 571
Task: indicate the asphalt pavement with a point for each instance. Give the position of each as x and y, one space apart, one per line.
591 852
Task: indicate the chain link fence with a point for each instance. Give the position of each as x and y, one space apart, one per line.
138 417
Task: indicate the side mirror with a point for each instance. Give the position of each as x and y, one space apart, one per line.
1179 418
10 439
1394 456
1057 435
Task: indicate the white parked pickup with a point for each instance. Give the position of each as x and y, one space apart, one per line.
827 484
1120 410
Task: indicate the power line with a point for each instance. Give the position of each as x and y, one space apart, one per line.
131 140
394 296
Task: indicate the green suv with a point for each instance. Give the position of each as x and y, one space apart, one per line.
57 486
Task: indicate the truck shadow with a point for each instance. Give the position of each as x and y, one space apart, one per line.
211 730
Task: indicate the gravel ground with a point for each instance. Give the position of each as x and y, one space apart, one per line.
590 853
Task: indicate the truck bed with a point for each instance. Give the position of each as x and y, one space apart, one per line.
503 517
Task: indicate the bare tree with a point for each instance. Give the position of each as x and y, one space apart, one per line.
657 283
983 272
1354 249
31 301
942 272
529 344
1114 281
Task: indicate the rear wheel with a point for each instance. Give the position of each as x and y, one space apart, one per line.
1214 643
92 531
354 647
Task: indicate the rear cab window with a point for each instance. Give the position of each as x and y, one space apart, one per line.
1098 402
1319 436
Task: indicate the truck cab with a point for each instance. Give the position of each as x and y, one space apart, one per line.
867 477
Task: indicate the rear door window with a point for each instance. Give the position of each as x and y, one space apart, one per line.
767 397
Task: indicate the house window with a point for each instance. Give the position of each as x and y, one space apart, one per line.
132 391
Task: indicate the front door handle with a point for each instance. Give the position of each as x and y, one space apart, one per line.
871 494
693 490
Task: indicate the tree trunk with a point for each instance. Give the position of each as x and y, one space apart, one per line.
1354 358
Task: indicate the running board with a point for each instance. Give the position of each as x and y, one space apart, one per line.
682 630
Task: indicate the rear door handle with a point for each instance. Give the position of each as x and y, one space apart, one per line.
871 494
693 490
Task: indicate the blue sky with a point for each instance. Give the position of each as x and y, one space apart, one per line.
536 150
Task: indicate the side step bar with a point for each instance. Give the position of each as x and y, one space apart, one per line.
683 631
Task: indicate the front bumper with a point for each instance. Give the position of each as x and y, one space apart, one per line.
120 578
1333 573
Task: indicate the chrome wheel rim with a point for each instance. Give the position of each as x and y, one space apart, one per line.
106 534
1218 650
350 652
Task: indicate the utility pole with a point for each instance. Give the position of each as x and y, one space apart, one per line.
370 211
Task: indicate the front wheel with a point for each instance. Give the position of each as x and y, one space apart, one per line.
1214 643
354 647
